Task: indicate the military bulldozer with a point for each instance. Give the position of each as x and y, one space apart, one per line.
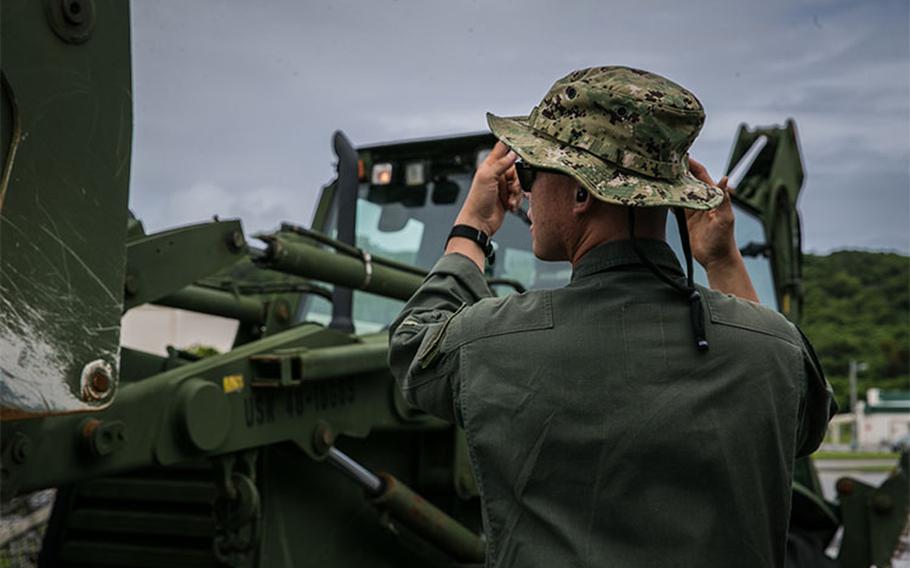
293 447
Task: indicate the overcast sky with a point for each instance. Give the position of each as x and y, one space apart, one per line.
235 102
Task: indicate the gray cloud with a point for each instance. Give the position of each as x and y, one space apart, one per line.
236 101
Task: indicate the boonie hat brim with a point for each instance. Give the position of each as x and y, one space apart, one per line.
604 180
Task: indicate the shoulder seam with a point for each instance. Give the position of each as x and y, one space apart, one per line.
768 333
715 318
546 324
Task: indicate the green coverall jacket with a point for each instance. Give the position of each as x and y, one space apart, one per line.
598 434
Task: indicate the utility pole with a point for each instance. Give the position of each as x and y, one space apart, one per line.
855 367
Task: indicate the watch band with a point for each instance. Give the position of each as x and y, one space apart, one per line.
482 239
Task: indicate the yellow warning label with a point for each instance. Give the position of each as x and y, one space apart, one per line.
232 383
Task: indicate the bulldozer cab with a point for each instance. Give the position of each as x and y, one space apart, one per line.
408 195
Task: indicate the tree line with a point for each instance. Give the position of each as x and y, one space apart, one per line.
857 306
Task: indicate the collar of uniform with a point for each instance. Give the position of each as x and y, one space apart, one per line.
614 254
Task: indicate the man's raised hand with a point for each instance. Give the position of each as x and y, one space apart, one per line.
494 190
714 244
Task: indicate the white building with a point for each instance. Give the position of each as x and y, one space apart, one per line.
883 418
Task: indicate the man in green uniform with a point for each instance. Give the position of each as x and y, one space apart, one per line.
631 418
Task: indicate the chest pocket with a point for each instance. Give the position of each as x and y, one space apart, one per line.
500 316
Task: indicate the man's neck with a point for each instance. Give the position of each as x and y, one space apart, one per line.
591 237
586 243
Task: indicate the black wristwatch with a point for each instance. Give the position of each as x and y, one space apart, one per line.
482 239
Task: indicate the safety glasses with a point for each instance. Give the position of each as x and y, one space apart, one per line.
528 173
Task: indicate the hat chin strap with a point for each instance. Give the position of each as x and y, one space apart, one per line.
688 289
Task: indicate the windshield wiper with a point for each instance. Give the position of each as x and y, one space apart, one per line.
756 249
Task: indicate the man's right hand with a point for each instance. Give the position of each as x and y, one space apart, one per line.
711 232
494 190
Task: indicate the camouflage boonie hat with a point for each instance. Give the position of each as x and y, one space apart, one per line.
622 133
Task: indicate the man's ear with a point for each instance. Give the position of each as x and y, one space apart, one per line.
583 201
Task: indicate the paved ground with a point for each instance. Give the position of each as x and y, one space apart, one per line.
855 465
872 471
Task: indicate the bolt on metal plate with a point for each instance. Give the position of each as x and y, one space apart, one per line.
97 381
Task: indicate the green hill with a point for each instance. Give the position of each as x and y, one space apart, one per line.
857 306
